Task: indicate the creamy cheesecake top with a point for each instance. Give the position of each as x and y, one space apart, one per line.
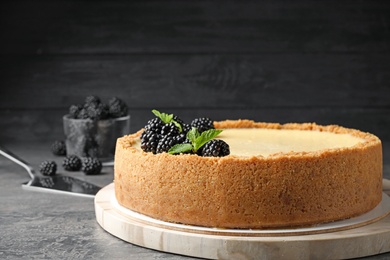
262 141
259 141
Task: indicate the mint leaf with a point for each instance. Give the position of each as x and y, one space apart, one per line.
180 148
177 125
156 113
163 116
205 137
197 141
193 134
167 118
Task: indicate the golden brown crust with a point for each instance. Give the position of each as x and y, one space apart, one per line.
285 189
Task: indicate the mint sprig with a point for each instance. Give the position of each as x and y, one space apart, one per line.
167 118
180 148
197 141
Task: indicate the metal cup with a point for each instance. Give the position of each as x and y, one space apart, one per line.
94 138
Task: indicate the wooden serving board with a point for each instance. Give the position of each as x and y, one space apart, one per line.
366 235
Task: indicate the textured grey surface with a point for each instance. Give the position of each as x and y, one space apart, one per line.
37 225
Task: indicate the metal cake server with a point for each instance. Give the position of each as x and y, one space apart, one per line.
57 183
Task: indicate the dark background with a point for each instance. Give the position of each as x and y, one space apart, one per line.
279 61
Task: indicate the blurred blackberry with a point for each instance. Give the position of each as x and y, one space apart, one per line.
83 114
166 143
92 152
91 165
97 111
215 148
169 130
91 147
154 125
92 100
149 141
117 108
58 148
71 163
48 168
202 124
74 111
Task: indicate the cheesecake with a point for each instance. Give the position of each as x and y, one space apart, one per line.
276 176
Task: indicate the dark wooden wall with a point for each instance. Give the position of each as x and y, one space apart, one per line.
280 61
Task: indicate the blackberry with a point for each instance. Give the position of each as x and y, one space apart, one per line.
215 148
186 128
48 168
165 143
154 125
103 112
202 124
97 111
72 163
83 114
58 148
92 100
182 139
149 141
177 119
91 165
74 111
117 108
169 130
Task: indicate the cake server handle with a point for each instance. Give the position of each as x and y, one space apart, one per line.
13 157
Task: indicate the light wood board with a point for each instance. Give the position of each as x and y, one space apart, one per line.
358 237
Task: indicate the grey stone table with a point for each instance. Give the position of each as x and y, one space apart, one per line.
38 225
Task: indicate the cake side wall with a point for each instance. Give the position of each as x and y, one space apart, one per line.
249 193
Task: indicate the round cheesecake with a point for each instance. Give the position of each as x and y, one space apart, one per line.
275 176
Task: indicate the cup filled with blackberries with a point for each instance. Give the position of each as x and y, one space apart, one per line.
92 128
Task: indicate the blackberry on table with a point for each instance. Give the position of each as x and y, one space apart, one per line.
91 165
165 143
215 148
202 124
48 168
149 141
117 108
58 148
72 163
